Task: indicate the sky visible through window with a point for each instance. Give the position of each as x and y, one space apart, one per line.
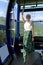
38 15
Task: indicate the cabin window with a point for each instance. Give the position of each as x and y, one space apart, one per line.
3 12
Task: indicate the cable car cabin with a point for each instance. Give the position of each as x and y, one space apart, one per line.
14 30
34 8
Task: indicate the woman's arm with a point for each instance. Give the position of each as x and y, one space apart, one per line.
22 16
32 32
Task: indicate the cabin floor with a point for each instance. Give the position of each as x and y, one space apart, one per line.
18 60
32 59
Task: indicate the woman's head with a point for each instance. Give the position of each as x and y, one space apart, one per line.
28 17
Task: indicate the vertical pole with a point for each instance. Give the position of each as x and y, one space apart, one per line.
8 26
18 22
17 39
0 61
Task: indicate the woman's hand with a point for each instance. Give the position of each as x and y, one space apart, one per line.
32 38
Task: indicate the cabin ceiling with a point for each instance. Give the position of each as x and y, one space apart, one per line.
28 2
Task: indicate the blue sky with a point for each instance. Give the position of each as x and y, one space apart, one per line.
3 7
3 10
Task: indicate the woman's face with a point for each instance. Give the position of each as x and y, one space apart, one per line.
28 17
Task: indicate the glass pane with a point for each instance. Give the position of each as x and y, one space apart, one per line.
13 25
38 28
21 28
3 11
37 18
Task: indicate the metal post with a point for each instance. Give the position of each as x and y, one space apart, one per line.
17 39
0 61
18 22
8 26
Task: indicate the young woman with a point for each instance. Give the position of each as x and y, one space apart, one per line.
28 36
